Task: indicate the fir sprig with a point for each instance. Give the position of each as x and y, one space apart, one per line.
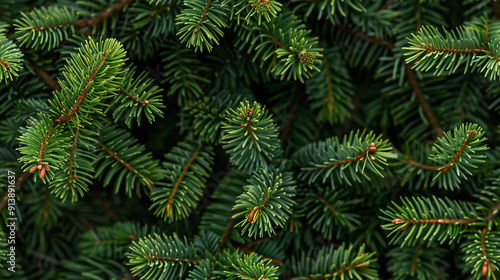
250 134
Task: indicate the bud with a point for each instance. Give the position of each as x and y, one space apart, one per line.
397 221
33 169
42 173
485 268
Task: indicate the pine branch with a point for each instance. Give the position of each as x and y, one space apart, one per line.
66 117
125 164
179 180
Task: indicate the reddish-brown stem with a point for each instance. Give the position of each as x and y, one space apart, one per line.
72 158
419 16
483 248
126 165
83 93
328 205
422 166
202 17
457 155
359 156
153 258
278 44
45 77
435 221
42 146
143 103
438 131
179 180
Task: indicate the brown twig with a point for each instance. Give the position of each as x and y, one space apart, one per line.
438 131
154 258
143 103
171 199
66 117
130 168
360 155
278 44
202 17
422 166
45 77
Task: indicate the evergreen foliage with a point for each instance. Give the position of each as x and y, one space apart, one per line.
249 139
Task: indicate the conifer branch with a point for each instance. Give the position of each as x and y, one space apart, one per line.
277 44
66 117
179 180
197 29
433 221
155 258
438 131
360 155
126 165
143 103
459 152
